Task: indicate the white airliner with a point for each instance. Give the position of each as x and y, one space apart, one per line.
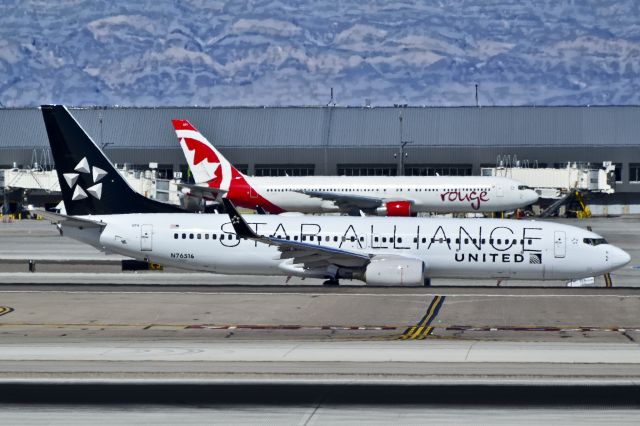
106 213
380 195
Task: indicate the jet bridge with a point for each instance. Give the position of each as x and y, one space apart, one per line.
554 183
40 187
562 187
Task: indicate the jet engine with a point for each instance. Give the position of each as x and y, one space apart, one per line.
395 271
398 208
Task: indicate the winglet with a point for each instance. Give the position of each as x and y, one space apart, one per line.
239 224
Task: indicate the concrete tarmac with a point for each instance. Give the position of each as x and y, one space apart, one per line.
320 334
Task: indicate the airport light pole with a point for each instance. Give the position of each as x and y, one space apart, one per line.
402 153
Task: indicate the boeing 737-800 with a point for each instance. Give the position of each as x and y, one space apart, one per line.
105 212
379 195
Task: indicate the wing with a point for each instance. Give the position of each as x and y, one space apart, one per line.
349 203
202 191
76 222
311 255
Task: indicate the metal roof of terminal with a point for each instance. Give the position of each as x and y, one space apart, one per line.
341 126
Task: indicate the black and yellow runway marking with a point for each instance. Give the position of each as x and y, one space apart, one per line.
424 329
5 310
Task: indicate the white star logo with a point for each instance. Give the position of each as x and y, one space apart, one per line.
72 178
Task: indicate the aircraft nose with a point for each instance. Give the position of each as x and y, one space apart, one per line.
618 257
532 196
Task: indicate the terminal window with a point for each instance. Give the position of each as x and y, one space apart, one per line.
438 170
634 172
285 170
367 170
187 177
618 171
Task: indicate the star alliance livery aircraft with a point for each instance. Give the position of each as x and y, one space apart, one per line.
377 195
402 251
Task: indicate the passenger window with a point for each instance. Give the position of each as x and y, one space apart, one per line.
390 240
304 238
184 236
327 238
424 240
399 240
214 236
457 240
206 236
529 242
191 236
199 236
384 239
466 241
499 241
335 238
482 241
286 237
415 239
448 240
352 238
362 239
175 236
295 238
376 239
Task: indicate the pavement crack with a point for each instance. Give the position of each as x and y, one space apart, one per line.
291 350
315 409
466 357
625 334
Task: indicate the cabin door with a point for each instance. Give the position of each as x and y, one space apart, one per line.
146 232
559 244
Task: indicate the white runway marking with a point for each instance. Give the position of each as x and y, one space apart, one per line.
297 351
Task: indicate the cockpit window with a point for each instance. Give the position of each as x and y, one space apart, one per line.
523 187
595 241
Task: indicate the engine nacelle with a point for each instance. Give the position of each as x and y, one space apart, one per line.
395 271
397 208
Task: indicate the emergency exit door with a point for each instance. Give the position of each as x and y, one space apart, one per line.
559 244
146 232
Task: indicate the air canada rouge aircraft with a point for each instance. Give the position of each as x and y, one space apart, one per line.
400 251
377 195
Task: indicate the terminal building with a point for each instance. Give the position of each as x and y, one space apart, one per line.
330 140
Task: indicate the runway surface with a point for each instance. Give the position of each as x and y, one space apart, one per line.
312 414
320 334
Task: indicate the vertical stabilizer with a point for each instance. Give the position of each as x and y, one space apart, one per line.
207 164
88 181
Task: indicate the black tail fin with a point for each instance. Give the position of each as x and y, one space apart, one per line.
88 181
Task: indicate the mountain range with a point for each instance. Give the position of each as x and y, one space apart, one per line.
277 52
